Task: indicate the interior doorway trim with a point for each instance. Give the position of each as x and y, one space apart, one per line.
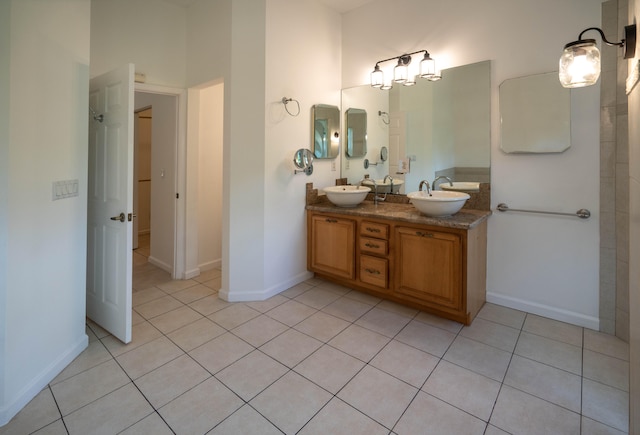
179 254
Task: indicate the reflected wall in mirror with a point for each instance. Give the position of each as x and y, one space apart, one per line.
325 131
371 101
444 127
356 132
535 115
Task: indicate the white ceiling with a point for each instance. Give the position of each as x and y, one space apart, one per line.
341 6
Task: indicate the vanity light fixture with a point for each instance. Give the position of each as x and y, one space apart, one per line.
401 73
580 60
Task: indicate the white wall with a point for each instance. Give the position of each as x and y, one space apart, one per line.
210 143
148 33
302 62
634 241
542 264
43 242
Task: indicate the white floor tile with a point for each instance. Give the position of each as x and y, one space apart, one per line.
332 361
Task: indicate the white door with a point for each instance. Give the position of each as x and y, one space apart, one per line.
110 202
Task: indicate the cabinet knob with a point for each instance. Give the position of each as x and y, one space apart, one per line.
423 234
373 230
371 245
372 271
331 221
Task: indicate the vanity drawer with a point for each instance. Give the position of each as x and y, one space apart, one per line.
373 229
373 270
373 246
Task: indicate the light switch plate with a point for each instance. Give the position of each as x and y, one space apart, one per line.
64 189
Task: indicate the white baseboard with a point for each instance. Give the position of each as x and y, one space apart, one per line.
161 264
214 264
550 312
188 274
261 295
9 410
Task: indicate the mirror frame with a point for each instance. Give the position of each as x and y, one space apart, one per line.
356 122
327 117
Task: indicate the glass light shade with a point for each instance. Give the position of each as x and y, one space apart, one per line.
377 77
437 75
427 67
400 72
410 81
579 64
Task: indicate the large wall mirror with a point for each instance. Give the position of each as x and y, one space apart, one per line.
443 127
356 132
325 131
535 115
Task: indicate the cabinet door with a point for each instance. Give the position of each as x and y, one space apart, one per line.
333 246
429 266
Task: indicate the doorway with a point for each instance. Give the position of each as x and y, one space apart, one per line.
143 120
155 148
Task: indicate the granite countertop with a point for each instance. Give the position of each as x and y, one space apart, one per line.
464 219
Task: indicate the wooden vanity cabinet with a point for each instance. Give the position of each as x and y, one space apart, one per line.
429 266
440 270
331 243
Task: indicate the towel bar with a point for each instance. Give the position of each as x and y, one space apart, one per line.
583 213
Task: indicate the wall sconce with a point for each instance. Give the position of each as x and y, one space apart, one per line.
401 71
580 60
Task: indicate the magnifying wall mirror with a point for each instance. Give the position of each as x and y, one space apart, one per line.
384 154
356 132
303 159
325 131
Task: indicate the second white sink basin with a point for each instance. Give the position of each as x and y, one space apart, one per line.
346 196
469 186
439 202
384 187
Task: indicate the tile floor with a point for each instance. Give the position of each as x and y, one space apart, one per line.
321 359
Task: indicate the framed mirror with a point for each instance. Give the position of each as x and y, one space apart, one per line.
356 132
443 128
325 131
535 115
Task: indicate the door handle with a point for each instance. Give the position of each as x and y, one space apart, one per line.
120 218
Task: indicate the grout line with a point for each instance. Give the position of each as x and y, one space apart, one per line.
317 284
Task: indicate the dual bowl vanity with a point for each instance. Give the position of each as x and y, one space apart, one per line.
392 250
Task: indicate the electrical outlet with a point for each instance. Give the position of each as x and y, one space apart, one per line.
333 165
347 164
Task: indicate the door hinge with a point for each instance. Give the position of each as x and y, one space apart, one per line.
177 196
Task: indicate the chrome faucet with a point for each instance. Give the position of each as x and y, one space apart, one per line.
441 177
390 178
426 184
376 198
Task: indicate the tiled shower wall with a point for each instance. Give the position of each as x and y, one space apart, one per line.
614 178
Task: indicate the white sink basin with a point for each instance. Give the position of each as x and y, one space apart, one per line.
346 196
469 186
385 187
439 203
